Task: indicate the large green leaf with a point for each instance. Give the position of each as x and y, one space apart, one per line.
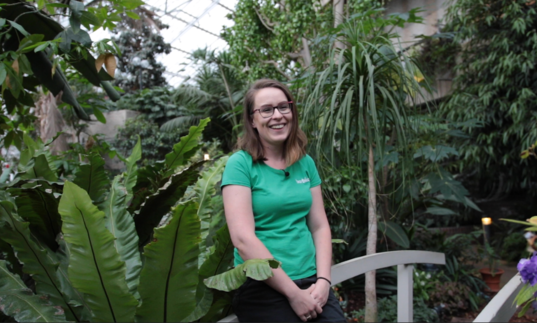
92 178
17 301
95 267
75 296
219 260
132 169
257 269
205 189
148 181
395 233
221 255
39 168
184 149
41 210
170 275
160 203
8 254
38 262
121 225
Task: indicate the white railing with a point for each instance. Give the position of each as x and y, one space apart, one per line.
404 260
501 307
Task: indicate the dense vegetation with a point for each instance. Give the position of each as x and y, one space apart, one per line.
382 153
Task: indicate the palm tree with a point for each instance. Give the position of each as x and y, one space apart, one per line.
358 102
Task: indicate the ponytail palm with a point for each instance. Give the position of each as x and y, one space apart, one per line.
359 102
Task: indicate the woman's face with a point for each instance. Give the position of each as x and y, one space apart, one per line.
273 130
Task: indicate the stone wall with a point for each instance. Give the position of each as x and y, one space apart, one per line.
434 11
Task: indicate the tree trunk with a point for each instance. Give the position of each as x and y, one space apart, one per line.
370 286
339 14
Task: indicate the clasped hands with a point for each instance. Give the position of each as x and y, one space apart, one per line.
307 303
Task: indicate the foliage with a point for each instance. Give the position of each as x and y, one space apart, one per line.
155 143
266 34
120 250
514 247
460 262
387 307
140 42
452 297
36 49
495 76
424 283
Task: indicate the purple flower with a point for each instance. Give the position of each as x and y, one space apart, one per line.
528 270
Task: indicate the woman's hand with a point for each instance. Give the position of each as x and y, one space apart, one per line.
304 305
320 291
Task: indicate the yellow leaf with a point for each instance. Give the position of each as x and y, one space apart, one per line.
533 220
110 64
15 66
99 62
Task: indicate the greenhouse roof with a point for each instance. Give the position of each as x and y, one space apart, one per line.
193 24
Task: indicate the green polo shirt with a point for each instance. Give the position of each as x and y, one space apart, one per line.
281 204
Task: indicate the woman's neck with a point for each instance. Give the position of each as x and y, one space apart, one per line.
274 154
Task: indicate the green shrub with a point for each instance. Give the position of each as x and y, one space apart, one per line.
514 247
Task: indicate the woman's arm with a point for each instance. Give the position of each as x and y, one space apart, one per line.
322 238
240 220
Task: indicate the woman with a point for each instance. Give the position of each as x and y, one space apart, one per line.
274 209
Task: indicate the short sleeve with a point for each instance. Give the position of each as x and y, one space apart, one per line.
237 170
315 179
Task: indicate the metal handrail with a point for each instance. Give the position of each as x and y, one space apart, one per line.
404 261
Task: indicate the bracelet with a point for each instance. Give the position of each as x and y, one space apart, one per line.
325 279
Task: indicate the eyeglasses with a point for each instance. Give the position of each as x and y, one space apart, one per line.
268 111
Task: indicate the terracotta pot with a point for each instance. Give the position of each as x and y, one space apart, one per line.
493 282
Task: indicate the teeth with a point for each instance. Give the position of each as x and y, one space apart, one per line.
278 126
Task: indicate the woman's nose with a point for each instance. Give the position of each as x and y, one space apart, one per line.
277 114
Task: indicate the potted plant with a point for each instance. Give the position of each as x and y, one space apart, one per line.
491 274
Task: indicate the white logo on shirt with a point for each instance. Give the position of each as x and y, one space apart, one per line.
302 181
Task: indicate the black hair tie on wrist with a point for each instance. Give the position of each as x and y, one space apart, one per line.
325 279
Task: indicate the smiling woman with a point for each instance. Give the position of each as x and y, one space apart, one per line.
274 209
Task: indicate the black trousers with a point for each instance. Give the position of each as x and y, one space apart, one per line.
256 301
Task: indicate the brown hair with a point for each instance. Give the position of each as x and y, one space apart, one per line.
294 146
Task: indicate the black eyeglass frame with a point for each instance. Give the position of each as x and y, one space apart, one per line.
275 107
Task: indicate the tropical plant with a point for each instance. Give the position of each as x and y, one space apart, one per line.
281 39
140 42
35 49
494 83
358 101
82 241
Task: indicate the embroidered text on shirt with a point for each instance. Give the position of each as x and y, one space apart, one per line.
302 181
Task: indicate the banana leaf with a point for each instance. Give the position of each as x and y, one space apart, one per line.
92 178
121 225
37 262
205 189
17 300
184 149
95 267
41 210
170 274
257 269
160 203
